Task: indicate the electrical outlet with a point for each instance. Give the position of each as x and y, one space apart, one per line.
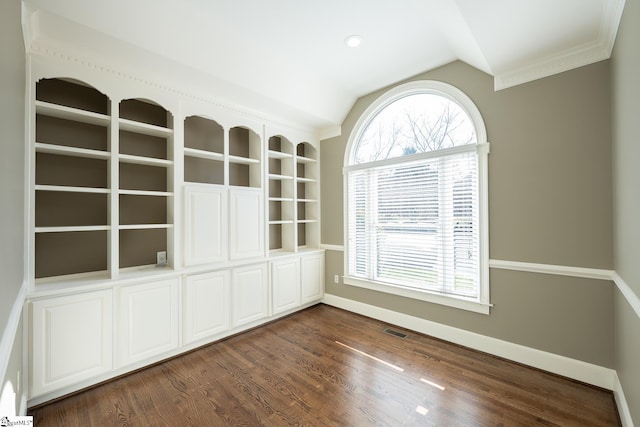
336 279
161 258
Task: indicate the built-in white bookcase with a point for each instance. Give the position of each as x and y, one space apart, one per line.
116 178
103 196
293 203
281 194
307 196
204 152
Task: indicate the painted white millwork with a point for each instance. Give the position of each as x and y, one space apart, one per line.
249 294
148 320
285 284
246 223
205 236
206 305
72 339
312 268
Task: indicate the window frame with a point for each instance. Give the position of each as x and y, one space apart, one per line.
482 303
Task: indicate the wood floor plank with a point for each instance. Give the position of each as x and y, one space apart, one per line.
327 367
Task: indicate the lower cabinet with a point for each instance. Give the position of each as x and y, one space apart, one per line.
285 282
296 280
72 340
148 320
312 267
249 293
89 336
206 305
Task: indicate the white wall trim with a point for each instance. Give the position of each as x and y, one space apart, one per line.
559 270
628 293
337 248
589 53
329 132
580 56
583 272
621 403
10 330
561 365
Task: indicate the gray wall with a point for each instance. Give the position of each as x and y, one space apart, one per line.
549 202
626 184
12 86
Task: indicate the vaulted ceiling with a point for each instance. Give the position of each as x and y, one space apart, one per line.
288 57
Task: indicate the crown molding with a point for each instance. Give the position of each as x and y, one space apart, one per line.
329 132
586 54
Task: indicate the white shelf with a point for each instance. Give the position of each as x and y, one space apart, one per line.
281 199
281 221
145 193
144 128
243 160
308 200
143 226
278 177
307 221
302 159
70 189
140 160
278 155
309 180
203 154
71 151
67 229
75 114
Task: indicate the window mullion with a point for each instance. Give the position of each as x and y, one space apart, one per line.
372 223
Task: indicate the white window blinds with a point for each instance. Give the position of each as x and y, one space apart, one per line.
414 222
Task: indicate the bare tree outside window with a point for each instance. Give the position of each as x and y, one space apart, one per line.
417 123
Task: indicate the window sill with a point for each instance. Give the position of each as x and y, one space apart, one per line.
447 300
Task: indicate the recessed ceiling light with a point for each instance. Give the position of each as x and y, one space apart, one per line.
353 41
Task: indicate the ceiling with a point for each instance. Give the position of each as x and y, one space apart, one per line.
288 58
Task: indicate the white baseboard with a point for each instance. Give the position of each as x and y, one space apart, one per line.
621 403
561 365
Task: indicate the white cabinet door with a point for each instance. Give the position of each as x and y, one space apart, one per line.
246 223
148 320
249 293
72 340
206 305
312 267
285 282
205 224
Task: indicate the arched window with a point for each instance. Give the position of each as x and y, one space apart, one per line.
415 184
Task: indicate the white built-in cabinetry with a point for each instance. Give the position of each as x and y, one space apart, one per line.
206 305
205 225
249 293
122 173
285 279
148 320
72 339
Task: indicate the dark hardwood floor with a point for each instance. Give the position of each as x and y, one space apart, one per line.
327 367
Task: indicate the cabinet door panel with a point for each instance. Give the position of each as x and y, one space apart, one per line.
285 281
250 294
312 267
206 309
205 237
72 339
148 320
246 223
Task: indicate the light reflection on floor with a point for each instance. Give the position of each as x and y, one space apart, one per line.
397 368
